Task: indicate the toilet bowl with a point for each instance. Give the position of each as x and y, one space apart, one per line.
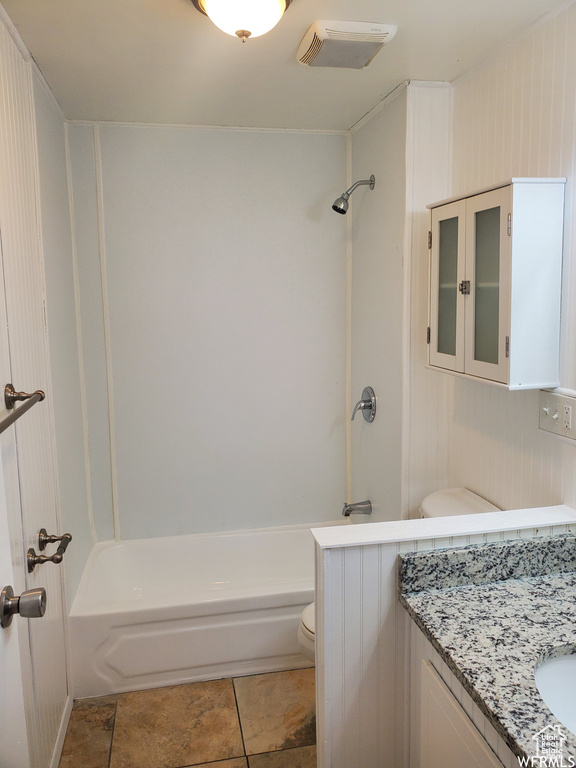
449 501
306 632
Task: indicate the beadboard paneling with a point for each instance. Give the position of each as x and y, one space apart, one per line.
514 116
362 710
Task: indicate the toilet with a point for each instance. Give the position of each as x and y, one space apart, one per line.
454 501
306 632
450 501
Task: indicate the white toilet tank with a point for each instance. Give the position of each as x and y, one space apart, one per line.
454 501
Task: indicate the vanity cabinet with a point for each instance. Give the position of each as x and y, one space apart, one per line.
495 283
448 738
446 727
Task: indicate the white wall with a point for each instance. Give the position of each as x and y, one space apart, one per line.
65 391
514 116
377 295
221 327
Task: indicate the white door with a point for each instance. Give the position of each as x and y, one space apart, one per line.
31 503
27 447
13 733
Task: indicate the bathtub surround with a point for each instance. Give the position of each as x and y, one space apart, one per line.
225 320
494 630
64 347
376 304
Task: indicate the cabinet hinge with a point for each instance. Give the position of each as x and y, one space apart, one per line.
507 346
509 224
428 335
429 239
464 287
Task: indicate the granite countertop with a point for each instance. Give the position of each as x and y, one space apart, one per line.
494 612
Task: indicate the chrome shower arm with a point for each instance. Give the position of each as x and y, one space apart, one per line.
370 182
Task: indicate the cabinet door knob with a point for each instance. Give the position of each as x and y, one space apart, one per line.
464 287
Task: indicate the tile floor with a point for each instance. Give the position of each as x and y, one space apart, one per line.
260 721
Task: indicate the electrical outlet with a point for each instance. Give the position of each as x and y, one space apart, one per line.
556 414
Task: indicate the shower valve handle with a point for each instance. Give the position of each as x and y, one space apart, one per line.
367 405
360 406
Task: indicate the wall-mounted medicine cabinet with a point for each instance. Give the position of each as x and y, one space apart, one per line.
495 283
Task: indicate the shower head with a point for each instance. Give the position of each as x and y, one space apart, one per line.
340 205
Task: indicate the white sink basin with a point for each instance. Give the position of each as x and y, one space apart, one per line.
556 681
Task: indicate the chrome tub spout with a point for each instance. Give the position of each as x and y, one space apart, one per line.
357 508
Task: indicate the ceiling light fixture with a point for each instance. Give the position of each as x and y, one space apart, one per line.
243 18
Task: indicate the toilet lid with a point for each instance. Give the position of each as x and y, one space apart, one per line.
455 501
308 618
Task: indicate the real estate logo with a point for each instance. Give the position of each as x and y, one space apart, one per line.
550 743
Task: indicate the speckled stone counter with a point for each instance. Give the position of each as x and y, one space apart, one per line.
494 612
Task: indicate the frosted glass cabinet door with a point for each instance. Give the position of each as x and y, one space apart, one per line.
488 270
447 263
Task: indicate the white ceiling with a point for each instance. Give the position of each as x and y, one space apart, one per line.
161 61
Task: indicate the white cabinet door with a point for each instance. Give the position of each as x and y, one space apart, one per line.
488 258
448 738
446 300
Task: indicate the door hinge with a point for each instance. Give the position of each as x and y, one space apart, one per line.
509 224
429 239
464 287
428 335
507 346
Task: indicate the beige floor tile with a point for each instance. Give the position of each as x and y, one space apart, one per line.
277 710
177 726
301 757
89 733
237 762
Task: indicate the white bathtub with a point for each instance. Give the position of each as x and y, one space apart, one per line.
155 612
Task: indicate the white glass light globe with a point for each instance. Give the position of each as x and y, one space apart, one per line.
254 16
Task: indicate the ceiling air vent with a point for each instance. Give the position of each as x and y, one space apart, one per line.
349 44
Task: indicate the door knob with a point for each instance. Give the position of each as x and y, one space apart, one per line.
30 604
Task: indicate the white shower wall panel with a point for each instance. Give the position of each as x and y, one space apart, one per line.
224 310
59 270
86 234
379 148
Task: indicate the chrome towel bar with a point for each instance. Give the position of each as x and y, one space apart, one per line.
11 397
